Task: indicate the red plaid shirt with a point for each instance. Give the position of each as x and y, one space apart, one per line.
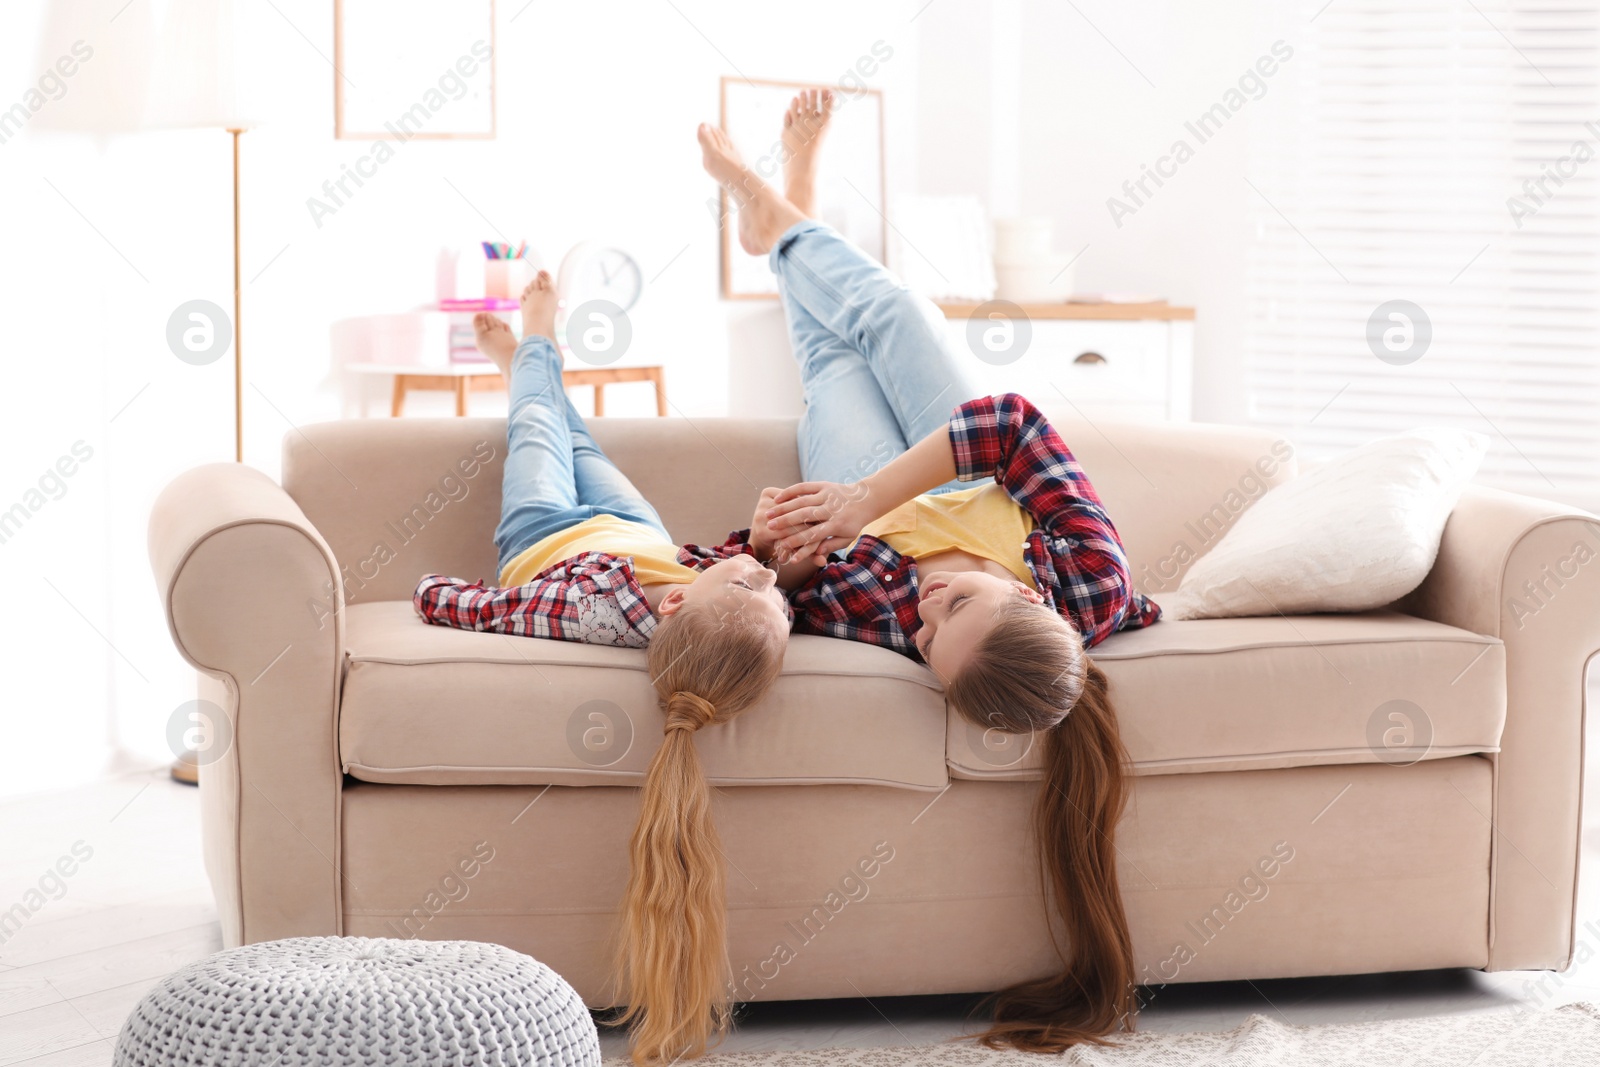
594 597
1077 560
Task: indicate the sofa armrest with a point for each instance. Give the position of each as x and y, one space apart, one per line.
1528 572
252 598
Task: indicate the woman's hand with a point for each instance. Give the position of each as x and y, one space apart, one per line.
793 571
811 519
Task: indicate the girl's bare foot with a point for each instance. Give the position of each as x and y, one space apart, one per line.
495 340
539 302
763 214
803 127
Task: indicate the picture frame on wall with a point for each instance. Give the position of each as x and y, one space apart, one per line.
852 190
407 69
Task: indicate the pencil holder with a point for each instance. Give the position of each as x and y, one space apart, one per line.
506 277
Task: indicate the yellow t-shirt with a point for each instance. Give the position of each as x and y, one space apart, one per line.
655 559
984 521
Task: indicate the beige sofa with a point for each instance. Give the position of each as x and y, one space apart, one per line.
389 778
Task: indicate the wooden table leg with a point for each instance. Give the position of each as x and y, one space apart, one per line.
658 376
599 399
461 397
398 404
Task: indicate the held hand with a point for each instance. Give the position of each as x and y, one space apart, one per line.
763 542
815 518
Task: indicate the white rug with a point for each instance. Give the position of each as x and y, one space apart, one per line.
1568 1036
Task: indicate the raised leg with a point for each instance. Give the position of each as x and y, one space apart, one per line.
877 362
849 428
555 475
602 487
539 493
901 335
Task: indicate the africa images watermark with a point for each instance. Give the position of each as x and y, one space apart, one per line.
1536 594
403 529
405 126
1252 888
52 485
1202 129
52 85
853 887
52 885
1208 527
453 888
1539 997
852 86
1537 191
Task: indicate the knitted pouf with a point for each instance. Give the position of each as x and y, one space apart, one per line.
332 1001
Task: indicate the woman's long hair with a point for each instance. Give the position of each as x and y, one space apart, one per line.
673 957
1030 673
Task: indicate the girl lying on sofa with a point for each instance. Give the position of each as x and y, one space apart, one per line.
998 586
584 557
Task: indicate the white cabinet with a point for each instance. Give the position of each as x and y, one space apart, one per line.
1135 365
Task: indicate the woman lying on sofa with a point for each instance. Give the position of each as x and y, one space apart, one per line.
999 587
584 557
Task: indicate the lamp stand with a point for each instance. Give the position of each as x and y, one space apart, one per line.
238 325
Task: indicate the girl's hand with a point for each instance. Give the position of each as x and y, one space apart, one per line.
815 518
763 542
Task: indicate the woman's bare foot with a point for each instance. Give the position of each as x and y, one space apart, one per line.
803 127
495 340
763 214
539 302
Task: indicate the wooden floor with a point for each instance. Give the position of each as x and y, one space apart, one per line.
140 906
136 909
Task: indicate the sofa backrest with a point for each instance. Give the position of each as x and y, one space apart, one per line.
1172 489
399 498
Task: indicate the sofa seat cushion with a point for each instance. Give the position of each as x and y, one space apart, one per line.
430 705
1247 693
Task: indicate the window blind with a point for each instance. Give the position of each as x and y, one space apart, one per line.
1444 155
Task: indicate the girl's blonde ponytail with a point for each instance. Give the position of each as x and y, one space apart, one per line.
673 953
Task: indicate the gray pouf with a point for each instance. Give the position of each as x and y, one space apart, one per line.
360 1000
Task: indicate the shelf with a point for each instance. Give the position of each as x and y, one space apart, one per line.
1102 312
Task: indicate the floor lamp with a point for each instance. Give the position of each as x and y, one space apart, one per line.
193 86
238 309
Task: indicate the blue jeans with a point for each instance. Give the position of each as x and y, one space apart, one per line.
879 367
555 475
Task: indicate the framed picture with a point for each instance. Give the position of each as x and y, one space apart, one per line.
407 69
851 189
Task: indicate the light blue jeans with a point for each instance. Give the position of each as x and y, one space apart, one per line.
555 475
879 367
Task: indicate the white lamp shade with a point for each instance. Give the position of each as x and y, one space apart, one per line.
194 82
107 52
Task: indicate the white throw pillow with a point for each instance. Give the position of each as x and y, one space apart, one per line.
1353 534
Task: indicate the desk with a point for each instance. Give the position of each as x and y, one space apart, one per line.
463 379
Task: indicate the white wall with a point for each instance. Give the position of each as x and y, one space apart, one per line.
1024 103
1106 88
597 109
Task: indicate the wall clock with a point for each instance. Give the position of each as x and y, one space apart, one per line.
593 270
